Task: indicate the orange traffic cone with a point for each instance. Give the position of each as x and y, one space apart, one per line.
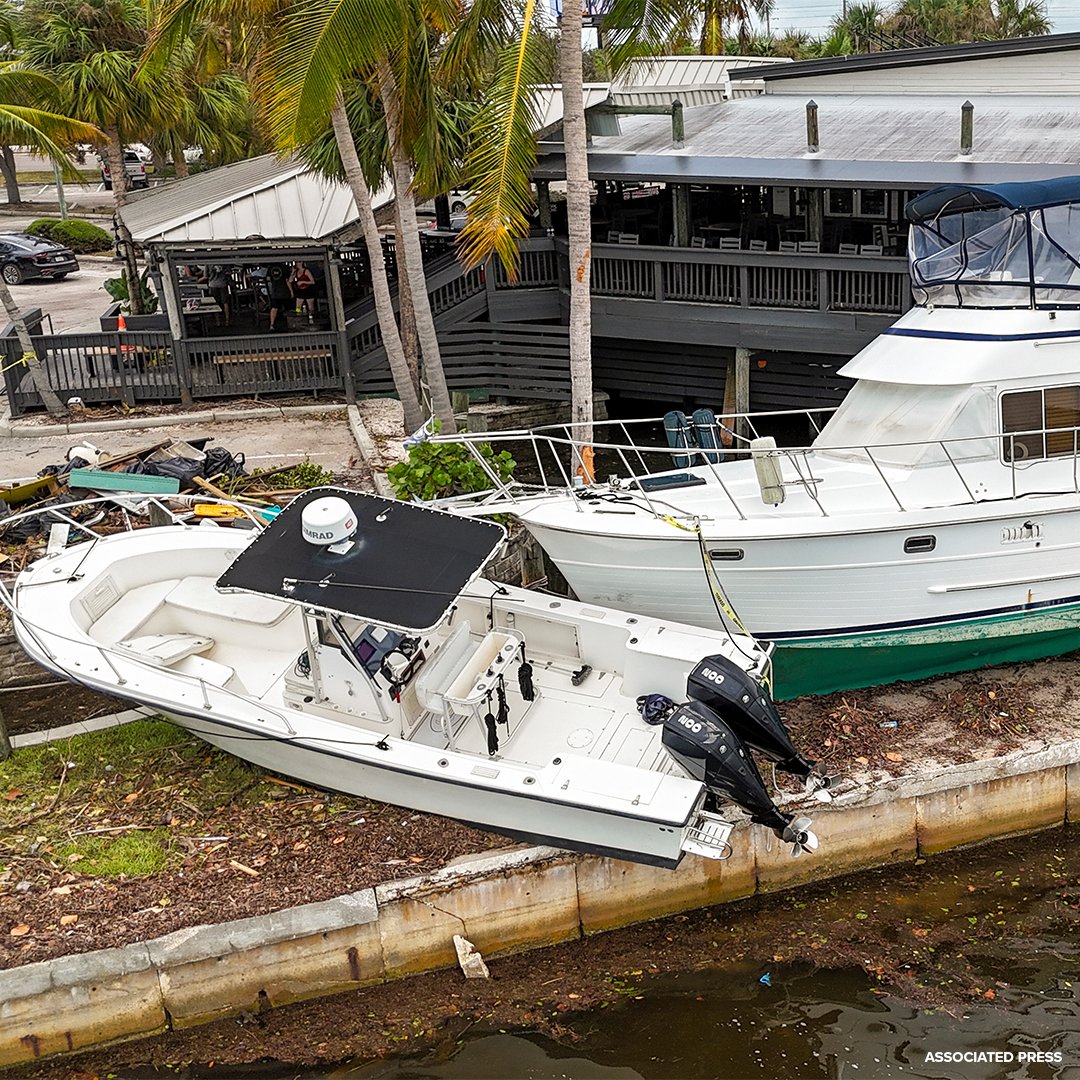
121 327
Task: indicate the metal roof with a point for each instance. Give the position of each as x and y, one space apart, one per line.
894 58
669 71
263 196
870 139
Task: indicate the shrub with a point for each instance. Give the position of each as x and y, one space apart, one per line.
81 236
437 470
43 227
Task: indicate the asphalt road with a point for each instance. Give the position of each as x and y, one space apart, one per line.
75 304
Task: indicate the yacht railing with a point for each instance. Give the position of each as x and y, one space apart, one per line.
110 657
552 459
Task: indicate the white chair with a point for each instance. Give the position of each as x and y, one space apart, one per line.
613 236
810 247
730 243
628 238
869 249
697 242
758 245
848 249
788 247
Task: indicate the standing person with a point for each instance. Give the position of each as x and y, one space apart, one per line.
281 295
220 285
302 284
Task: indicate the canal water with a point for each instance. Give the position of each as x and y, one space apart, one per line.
1017 901
966 967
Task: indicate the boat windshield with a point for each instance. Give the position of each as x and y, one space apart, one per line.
905 425
998 257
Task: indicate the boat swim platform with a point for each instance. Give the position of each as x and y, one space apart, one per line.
505 902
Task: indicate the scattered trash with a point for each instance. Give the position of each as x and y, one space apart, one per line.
889 723
766 979
138 485
472 963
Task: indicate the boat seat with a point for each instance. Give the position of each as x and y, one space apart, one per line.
440 672
209 671
123 619
198 595
164 650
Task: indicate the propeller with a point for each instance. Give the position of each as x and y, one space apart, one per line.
819 786
800 837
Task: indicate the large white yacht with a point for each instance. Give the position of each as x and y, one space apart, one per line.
932 524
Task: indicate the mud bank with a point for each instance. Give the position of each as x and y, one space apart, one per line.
505 903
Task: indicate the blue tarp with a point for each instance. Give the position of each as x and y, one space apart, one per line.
962 198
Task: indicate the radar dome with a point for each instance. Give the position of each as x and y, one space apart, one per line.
326 521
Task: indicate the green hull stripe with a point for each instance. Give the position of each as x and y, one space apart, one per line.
823 664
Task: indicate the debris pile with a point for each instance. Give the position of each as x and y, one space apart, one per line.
136 489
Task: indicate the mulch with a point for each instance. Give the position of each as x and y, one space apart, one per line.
275 844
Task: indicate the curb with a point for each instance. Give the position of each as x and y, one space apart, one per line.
15 430
369 453
81 727
503 902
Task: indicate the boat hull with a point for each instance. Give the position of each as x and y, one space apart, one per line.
853 609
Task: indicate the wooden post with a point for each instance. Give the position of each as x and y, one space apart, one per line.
543 204
815 214
742 389
170 297
678 128
967 127
680 199
5 742
337 316
813 139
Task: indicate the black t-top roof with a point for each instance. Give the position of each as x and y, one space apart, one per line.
407 565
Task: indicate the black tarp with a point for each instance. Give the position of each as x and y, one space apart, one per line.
407 565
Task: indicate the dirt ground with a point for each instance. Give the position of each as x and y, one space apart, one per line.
146 830
965 904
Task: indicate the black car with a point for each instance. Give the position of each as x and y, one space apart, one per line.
25 257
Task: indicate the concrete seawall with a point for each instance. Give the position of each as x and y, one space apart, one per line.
506 902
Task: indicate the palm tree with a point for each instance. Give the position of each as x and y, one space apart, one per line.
23 124
717 15
91 49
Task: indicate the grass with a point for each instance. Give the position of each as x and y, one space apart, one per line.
45 176
114 802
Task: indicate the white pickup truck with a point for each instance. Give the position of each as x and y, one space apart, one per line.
134 166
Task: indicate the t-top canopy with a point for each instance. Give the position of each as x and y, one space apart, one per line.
406 567
962 198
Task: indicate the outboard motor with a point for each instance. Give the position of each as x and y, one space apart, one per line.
746 705
710 751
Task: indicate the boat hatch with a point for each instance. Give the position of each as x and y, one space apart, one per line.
404 569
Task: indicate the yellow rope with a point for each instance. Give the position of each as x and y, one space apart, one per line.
21 360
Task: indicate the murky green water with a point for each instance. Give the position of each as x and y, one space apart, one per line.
724 1022
990 936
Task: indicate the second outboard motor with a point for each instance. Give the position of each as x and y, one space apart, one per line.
710 751
748 708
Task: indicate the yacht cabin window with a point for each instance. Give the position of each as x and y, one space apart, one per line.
1045 422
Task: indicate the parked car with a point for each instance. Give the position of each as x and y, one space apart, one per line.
134 166
23 258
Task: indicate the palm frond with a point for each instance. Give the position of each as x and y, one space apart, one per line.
503 151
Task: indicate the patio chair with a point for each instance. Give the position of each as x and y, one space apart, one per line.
629 238
788 247
759 245
869 249
697 241
848 249
730 243
809 247
613 236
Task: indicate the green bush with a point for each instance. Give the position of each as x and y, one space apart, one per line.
437 470
43 227
81 236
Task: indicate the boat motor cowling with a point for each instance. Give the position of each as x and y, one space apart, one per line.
748 707
710 751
